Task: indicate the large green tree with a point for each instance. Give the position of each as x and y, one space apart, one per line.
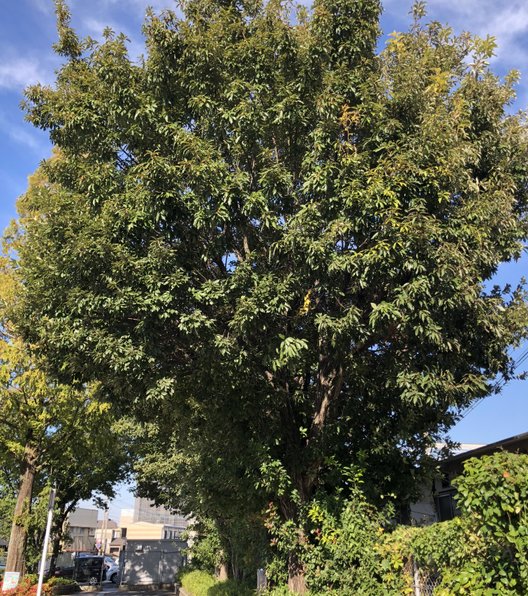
51 433
278 238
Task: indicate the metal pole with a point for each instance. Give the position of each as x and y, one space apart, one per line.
46 541
416 578
105 528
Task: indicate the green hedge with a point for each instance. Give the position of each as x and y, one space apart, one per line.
200 583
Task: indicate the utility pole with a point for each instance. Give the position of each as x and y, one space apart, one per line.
51 503
105 526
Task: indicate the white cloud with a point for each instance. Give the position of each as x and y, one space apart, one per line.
142 5
23 134
17 73
24 137
509 27
506 20
44 6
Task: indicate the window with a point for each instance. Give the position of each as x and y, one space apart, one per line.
445 505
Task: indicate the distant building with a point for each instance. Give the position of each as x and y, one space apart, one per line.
106 536
438 502
146 511
427 509
150 522
81 527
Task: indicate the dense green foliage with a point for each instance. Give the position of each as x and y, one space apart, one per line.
480 553
485 550
51 433
7 501
343 547
273 245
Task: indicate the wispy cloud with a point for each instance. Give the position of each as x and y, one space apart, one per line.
506 20
17 73
43 6
95 27
24 135
27 139
142 5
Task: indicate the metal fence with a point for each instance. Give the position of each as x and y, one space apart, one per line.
425 581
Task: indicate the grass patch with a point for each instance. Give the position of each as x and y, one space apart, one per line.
200 583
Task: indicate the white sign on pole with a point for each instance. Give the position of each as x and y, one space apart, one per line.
11 579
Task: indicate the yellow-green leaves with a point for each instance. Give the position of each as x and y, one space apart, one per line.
290 353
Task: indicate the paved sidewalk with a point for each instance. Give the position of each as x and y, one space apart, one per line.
115 591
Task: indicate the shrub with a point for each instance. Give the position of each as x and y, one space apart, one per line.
63 585
200 583
230 588
279 591
27 587
342 554
61 581
197 582
485 550
349 548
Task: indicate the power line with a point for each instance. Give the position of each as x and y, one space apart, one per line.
497 387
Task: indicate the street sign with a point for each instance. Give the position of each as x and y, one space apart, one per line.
11 579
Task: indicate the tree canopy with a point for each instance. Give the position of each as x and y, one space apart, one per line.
278 239
51 433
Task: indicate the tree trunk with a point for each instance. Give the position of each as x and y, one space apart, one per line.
222 573
55 550
296 577
58 530
17 540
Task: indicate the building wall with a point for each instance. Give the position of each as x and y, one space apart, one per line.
105 537
146 511
144 531
83 518
82 524
126 518
80 540
423 511
152 562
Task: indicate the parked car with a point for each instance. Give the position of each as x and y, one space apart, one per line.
89 569
64 571
112 571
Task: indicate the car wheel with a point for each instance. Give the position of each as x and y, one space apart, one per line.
113 579
93 581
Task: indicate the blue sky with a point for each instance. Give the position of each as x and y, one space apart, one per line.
27 31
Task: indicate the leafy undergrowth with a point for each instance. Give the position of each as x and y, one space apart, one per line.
63 585
200 583
28 586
